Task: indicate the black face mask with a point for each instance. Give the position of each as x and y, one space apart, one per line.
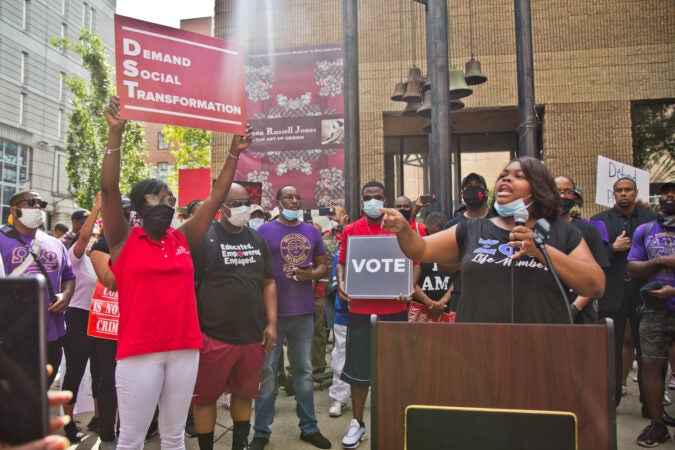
157 219
474 195
566 204
405 213
668 209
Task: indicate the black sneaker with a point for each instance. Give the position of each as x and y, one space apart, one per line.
316 439
258 443
73 433
190 429
152 431
93 424
653 435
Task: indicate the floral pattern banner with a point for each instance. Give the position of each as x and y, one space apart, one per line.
295 104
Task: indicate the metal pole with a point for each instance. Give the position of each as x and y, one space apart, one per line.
350 28
439 139
527 118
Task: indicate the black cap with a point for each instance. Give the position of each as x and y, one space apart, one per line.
80 214
666 186
473 176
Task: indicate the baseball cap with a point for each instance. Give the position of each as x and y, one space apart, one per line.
473 176
665 186
255 208
80 214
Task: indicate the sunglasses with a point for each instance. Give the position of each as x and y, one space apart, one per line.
33 201
238 203
154 200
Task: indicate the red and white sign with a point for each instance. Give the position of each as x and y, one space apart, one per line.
104 313
172 76
420 313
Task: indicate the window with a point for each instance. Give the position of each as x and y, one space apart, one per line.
62 85
64 30
60 177
22 104
14 172
92 19
85 8
63 7
161 142
24 68
24 14
59 124
163 171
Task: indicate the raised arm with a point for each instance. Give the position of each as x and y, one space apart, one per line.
116 227
195 228
85 233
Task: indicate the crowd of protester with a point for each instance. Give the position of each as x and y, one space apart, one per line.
211 307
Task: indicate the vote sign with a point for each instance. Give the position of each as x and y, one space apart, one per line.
376 268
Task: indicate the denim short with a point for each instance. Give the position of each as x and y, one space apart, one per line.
657 331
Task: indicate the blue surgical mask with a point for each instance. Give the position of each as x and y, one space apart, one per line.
255 223
292 214
509 209
372 208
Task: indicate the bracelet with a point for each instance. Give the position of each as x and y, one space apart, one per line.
230 155
110 150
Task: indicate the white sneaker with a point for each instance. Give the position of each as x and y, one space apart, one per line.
336 409
666 399
355 434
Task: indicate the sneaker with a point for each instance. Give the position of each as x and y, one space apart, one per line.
258 443
316 439
190 429
355 434
152 431
93 424
666 399
336 409
73 433
653 435
624 390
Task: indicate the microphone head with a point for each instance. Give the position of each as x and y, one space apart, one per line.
521 216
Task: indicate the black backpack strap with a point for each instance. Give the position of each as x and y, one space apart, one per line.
11 232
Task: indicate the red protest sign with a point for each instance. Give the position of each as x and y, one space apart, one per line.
104 313
420 313
172 76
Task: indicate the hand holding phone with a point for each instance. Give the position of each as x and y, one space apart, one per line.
426 199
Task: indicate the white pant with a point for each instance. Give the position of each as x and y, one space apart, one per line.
339 390
164 379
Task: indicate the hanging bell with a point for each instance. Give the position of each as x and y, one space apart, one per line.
458 86
425 109
398 92
413 87
473 74
456 104
411 109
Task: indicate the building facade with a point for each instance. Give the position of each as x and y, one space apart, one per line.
34 100
594 64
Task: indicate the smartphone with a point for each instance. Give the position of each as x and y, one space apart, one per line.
307 215
428 198
326 211
23 371
305 266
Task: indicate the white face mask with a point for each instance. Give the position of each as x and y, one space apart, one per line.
239 215
32 218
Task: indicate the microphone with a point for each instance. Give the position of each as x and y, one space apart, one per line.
521 217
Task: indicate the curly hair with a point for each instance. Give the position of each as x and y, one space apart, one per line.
542 184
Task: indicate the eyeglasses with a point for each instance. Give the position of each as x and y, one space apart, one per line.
154 200
291 198
567 192
367 197
238 203
33 201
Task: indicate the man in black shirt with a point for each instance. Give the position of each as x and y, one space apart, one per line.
237 306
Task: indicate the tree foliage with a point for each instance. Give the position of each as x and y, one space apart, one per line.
87 127
191 148
654 136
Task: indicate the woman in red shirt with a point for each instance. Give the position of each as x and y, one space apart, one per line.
159 334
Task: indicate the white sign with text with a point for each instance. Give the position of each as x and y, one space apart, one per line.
609 171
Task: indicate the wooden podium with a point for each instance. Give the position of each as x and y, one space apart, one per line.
565 368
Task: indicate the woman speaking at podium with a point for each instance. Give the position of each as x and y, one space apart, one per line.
505 278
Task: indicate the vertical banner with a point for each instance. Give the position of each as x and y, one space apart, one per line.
193 184
171 76
295 104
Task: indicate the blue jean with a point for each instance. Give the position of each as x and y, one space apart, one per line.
299 330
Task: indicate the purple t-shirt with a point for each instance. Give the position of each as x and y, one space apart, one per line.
291 247
54 258
659 242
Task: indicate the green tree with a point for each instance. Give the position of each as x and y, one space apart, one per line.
654 136
191 149
87 128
